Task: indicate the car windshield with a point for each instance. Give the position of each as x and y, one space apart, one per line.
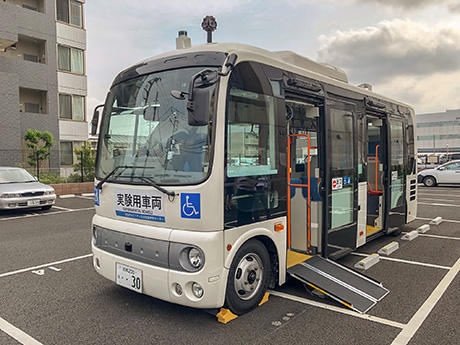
145 127
15 176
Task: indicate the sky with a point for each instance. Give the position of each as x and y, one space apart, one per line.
408 50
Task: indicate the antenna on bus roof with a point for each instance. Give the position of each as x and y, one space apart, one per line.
182 40
209 25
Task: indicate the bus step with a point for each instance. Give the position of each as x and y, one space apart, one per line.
352 289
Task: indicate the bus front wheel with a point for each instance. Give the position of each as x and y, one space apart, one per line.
248 277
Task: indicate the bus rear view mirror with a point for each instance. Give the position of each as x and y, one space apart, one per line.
95 120
199 96
199 107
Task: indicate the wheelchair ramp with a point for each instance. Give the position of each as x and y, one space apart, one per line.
346 286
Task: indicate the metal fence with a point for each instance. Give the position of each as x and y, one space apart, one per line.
59 167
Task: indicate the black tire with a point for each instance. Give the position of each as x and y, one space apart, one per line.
47 207
396 232
429 181
241 302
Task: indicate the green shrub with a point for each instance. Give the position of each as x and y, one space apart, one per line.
51 178
77 178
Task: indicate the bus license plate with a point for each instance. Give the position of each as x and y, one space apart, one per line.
129 277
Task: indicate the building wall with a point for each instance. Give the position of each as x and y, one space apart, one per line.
439 132
72 84
26 25
17 73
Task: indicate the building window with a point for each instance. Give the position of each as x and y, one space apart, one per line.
69 12
70 59
76 13
438 124
72 107
66 148
65 106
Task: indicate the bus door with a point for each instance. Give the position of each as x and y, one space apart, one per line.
396 175
376 166
304 203
342 185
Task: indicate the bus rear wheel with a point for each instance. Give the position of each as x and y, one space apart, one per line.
248 277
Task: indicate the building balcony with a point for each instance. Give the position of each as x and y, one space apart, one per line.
8 25
33 101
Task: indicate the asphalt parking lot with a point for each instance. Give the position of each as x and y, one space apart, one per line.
50 293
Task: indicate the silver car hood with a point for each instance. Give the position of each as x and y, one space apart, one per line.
428 171
24 187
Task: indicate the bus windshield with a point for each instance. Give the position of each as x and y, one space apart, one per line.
145 130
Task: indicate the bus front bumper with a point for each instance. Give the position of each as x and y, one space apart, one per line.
161 282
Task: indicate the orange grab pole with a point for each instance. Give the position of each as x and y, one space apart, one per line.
376 167
289 192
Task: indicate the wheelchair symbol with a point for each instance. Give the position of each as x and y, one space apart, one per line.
190 205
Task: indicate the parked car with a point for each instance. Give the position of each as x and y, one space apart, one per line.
19 189
446 173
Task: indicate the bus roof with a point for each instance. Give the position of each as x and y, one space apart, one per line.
286 60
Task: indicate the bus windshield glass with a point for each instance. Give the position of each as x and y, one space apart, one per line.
145 131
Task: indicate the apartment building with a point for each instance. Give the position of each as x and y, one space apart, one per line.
439 132
42 78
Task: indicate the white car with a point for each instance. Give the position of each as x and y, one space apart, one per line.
19 189
446 173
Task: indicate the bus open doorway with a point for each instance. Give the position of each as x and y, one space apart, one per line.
375 170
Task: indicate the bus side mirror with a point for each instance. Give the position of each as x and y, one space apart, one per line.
95 120
198 107
199 97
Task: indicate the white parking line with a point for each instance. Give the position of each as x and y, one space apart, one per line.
84 197
337 309
436 204
66 196
48 213
406 261
430 199
6 274
444 220
419 317
63 208
439 236
423 195
17 334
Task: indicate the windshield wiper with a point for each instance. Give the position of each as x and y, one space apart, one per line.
149 180
155 185
106 178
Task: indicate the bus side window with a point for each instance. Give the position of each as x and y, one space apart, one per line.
255 176
251 156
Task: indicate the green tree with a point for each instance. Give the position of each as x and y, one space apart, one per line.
86 159
40 143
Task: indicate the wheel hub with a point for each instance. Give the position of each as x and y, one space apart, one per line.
248 276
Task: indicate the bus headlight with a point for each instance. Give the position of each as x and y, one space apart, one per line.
194 257
185 257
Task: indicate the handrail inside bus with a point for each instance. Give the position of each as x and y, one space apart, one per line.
376 169
298 185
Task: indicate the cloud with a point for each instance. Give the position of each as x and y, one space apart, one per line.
432 93
393 48
452 5
401 58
